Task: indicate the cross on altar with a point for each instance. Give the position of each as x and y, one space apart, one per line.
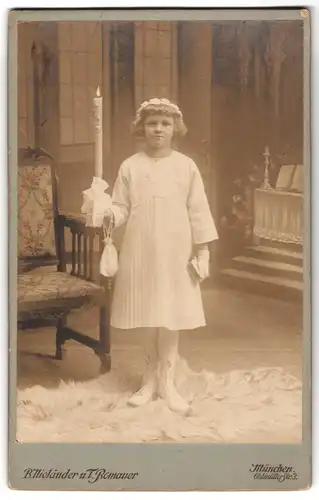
266 183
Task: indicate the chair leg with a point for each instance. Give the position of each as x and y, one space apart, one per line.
103 351
60 338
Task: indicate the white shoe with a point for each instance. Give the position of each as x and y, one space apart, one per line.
144 395
174 400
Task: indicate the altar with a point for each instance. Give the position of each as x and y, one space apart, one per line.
278 211
279 216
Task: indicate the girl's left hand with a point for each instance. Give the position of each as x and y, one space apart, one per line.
203 263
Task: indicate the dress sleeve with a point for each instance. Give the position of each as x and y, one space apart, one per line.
201 220
121 197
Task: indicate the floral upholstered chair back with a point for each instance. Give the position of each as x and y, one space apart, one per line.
36 207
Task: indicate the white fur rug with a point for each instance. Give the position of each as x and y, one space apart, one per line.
262 406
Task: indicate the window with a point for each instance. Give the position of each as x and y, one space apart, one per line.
80 68
155 60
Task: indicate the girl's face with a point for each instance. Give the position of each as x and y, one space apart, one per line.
159 130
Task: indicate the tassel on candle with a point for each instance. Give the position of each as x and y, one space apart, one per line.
98 137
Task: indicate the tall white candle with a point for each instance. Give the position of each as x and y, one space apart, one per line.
98 138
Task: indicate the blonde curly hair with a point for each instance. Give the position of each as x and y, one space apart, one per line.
158 106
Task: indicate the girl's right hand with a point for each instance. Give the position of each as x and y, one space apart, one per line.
108 217
108 213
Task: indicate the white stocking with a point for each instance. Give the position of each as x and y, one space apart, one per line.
149 386
168 355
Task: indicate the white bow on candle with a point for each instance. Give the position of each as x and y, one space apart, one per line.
96 203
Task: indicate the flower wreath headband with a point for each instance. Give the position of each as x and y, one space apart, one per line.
159 103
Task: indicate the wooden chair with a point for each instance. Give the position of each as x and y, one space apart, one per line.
51 281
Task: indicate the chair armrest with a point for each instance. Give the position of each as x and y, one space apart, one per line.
86 245
76 222
69 219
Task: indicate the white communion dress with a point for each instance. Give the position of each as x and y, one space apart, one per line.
165 209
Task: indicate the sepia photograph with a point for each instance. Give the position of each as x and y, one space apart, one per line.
160 231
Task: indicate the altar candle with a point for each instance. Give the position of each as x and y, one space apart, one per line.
98 137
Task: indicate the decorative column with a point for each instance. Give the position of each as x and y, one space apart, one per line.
122 92
107 101
195 62
244 54
26 32
195 99
46 88
275 56
155 60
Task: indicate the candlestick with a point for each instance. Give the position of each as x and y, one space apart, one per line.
98 138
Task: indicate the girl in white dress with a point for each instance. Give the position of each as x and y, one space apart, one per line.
159 195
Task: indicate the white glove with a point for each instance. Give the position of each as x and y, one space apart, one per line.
203 262
199 265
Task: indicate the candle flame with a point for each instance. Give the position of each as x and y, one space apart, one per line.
98 93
